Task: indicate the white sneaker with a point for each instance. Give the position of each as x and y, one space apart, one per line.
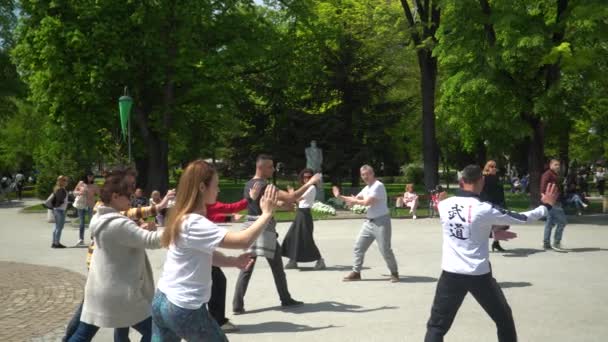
228 327
320 265
80 243
585 205
558 247
414 217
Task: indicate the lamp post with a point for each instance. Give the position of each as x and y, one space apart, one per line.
125 102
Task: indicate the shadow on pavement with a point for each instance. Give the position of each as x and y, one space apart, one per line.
509 284
341 268
323 307
277 327
521 252
586 249
405 279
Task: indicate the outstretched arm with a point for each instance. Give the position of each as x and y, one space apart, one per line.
291 197
243 261
500 216
352 200
244 238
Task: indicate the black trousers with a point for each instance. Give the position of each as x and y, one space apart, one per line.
451 290
217 302
278 273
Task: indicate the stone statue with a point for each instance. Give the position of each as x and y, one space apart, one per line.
314 160
314 157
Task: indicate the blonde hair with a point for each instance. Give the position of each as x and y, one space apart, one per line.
486 168
409 187
58 182
188 199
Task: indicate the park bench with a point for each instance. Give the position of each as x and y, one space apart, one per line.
422 200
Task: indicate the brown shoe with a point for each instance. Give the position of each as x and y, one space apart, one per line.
352 276
394 277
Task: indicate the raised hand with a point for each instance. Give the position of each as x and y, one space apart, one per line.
151 226
244 261
336 191
350 200
315 179
551 195
269 200
254 192
168 197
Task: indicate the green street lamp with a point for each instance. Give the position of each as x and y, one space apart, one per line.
125 103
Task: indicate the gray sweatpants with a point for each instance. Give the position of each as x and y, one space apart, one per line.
378 229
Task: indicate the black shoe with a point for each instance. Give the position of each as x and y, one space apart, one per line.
291 303
54 245
58 245
237 312
496 246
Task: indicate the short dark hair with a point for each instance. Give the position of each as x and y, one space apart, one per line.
303 172
263 157
116 183
471 174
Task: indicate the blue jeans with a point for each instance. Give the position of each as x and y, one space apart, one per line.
81 216
172 323
556 217
576 200
59 223
85 332
119 333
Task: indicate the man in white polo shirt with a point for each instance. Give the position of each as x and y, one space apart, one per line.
377 226
467 223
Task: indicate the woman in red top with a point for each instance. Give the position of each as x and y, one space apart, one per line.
219 212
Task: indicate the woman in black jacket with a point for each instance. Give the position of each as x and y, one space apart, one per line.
60 203
494 193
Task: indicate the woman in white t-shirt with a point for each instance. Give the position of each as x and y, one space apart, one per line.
299 244
179 309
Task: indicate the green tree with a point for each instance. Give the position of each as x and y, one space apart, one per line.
422 27
507 66
342 82
175 57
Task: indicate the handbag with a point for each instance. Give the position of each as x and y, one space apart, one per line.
50 202
80 202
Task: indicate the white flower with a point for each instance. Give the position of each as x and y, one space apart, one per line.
359 209
323 208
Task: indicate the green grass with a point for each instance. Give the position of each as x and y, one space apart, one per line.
38 208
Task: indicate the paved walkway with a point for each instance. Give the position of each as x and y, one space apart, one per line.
557 297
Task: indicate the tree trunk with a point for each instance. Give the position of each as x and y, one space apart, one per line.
157 168
564 150
430 150
536 158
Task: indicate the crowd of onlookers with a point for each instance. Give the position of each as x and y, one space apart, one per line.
84 199
577 186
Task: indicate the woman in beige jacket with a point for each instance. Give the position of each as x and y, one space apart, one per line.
120 283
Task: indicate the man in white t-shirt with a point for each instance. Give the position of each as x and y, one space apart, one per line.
467 223
377 226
